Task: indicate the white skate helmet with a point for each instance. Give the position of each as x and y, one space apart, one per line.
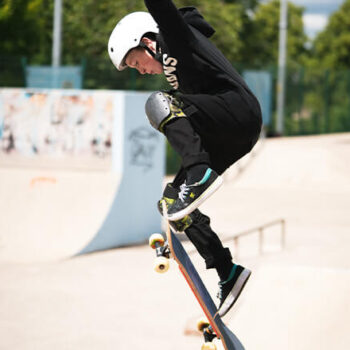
127 35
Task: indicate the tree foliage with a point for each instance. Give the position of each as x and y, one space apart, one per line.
88 24
332 46
245 31
263 44
23 26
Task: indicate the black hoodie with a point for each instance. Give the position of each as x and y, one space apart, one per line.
191 62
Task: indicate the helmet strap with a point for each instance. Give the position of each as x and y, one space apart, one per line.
156 55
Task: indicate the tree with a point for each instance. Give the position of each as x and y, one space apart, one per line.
88 24
232 21
246 32
332 46
262 44
22 27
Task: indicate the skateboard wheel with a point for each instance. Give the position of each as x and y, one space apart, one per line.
202 323
208 346
154 239
161 264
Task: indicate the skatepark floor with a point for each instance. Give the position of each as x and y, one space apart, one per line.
297 297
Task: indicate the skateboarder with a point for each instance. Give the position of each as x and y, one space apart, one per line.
210 118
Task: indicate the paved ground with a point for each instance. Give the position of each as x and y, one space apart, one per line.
297 298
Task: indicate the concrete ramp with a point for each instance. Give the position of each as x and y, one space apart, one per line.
139 153
297 298
295 307
312 162
51 214
63 191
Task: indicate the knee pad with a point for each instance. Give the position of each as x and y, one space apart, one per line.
161 108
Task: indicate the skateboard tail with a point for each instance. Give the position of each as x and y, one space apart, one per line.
228 339
205 310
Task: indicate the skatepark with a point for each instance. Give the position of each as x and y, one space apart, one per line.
297 298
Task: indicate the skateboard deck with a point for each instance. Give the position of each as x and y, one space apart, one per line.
228 339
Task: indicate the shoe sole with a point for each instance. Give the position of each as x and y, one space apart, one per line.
193 206
235 292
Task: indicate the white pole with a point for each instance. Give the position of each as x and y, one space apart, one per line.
57 30
282 58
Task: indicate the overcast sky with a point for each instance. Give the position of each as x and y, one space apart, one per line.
316 13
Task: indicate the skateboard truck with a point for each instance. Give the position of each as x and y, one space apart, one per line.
161 263
208 333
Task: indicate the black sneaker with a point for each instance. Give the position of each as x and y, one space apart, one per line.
230 290
192 196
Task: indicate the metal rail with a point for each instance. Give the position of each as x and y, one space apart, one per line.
261 232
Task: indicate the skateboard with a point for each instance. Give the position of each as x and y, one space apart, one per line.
212 327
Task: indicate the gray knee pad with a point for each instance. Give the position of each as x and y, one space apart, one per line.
160 109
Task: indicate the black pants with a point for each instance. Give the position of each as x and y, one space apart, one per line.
218 130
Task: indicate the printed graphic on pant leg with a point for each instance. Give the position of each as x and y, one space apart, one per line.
180 225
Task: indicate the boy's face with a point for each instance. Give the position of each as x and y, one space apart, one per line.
143 61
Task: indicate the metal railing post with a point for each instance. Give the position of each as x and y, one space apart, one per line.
235 241
260 231
283 234
261 240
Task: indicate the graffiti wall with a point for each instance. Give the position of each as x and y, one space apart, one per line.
56 122
70 142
